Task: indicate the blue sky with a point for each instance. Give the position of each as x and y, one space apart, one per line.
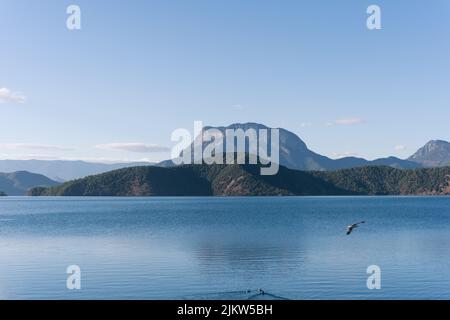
138 70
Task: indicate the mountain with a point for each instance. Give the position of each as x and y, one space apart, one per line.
60 170
245 180
2 194
18 183
435 153
352 162
294 153
390 181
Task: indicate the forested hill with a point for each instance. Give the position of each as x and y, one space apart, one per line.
390 181
245 180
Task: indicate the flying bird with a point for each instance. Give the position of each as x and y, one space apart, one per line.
353 226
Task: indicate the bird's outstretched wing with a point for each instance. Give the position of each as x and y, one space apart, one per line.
353 226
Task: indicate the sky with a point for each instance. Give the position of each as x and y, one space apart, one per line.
136 71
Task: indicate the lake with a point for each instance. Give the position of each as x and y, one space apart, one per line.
218 248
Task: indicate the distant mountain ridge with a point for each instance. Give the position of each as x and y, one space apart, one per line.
294 153
245 180
18 183
63 170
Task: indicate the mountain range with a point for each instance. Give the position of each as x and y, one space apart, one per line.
18 183
294 154
245 180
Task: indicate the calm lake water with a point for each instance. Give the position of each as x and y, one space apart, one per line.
216 248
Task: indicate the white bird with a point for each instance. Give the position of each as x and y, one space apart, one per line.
353 226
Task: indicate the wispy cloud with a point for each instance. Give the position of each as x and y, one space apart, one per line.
6 95
133 147
348 121
238 107
305 124
32 146
400 147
